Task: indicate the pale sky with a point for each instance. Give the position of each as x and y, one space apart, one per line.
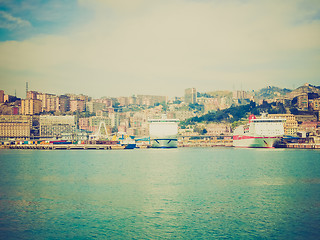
124 47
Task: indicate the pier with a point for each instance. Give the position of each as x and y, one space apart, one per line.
64 146
303 145
181 144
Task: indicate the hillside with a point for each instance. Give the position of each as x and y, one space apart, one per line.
271 92
307 88
237 113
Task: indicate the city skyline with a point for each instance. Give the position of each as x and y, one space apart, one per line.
119 48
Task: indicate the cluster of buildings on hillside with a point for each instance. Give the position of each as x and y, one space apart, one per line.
77 116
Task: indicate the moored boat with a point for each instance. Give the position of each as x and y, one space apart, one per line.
259 133
163 132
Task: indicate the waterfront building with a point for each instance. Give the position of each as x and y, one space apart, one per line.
15 126
30 106
76 136
214 129
35 126
187 132
54 126
190 96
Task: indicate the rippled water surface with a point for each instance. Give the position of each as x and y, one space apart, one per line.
185 193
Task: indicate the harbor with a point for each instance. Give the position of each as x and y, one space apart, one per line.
128 194
66 147
181 144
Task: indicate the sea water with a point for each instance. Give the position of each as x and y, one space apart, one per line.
183 193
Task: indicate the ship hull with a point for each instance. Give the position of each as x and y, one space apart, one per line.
129 145
165 143
255 142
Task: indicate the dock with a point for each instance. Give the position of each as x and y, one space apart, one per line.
64 146
303 145
119 147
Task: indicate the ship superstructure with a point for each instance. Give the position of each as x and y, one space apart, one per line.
259 133
163 132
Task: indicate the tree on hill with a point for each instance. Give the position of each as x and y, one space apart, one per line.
196 107
271 92
236 114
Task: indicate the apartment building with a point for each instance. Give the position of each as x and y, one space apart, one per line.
15 126
31 106
1 96
190 95
93 106
77 105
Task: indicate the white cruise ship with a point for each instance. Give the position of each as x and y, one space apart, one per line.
259 133
163 132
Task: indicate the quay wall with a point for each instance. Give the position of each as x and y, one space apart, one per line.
303 145
64 147
115 147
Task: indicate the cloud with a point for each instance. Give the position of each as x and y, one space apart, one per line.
163 47
7 21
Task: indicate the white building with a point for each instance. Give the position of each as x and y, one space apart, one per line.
55 126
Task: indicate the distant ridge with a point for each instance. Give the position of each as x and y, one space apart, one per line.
271 92
306 88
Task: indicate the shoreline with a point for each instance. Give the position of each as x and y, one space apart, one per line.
122 147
